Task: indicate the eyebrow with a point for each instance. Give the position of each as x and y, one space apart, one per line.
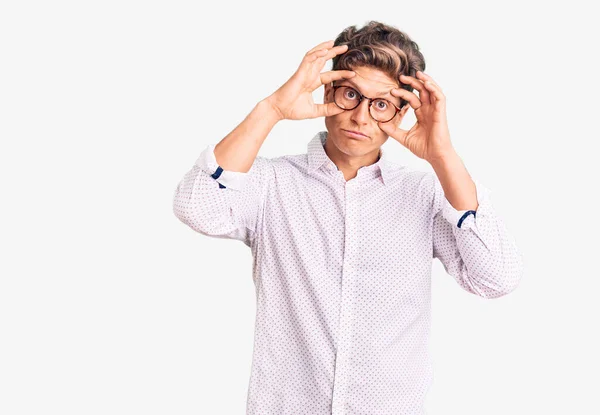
378 94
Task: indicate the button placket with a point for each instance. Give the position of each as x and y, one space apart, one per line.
342 362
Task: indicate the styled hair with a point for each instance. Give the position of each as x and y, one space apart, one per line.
382 47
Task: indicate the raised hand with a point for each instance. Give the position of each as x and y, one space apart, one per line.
294 101
429 138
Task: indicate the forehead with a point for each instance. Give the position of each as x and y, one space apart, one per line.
373 76
371 82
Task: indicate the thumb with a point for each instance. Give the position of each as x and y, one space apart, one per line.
393 131
327 110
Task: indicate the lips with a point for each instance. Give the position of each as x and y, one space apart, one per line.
356 132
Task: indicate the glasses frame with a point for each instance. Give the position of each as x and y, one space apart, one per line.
335 88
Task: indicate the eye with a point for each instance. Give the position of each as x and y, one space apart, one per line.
350 93
381 105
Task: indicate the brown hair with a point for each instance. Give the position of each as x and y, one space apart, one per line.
382 47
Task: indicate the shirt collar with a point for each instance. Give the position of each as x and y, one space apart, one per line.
317 158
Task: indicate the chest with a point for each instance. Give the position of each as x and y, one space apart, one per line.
369 224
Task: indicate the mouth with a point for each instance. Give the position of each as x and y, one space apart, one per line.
355 134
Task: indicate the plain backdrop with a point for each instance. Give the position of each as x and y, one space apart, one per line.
110 305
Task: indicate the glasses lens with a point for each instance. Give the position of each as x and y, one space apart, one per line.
382 110
348 98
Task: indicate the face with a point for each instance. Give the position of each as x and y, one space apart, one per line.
372 83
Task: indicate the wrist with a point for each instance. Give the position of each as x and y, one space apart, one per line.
270 106
445 158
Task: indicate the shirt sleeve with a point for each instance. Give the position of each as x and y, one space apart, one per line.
222 203
474 246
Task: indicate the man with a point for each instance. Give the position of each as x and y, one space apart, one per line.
343 238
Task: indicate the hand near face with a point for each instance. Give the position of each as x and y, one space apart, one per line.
429 138
294 101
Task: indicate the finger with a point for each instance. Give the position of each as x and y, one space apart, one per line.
435 92
327 110
323 45
337 50
418 85
424 77
326 54
412 99
330 76
316 55
394 131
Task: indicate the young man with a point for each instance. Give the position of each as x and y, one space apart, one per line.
343 239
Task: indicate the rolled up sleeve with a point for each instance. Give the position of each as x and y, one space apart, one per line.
221 203
475 247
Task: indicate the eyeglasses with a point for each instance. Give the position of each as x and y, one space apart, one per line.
348 98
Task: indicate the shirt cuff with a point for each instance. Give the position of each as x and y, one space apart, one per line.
235 180
454 216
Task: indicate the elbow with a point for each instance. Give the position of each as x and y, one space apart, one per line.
185 211
181 216
192 221
179 207
514 274
188 217
505 284
202 222
512 270
507 289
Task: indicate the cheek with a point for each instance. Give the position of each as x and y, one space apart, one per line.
330 123
337 119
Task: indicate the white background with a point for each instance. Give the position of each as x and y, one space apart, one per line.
110 305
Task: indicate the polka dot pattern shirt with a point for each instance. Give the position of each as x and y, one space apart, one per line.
342 271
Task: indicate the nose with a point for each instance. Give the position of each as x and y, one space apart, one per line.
360 114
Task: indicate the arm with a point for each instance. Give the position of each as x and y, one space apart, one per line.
476 249
238 150
222 194
480 253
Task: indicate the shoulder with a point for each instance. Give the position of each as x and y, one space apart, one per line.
412 185
406 176
286 163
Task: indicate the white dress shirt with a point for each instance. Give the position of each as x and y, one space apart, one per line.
342 271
